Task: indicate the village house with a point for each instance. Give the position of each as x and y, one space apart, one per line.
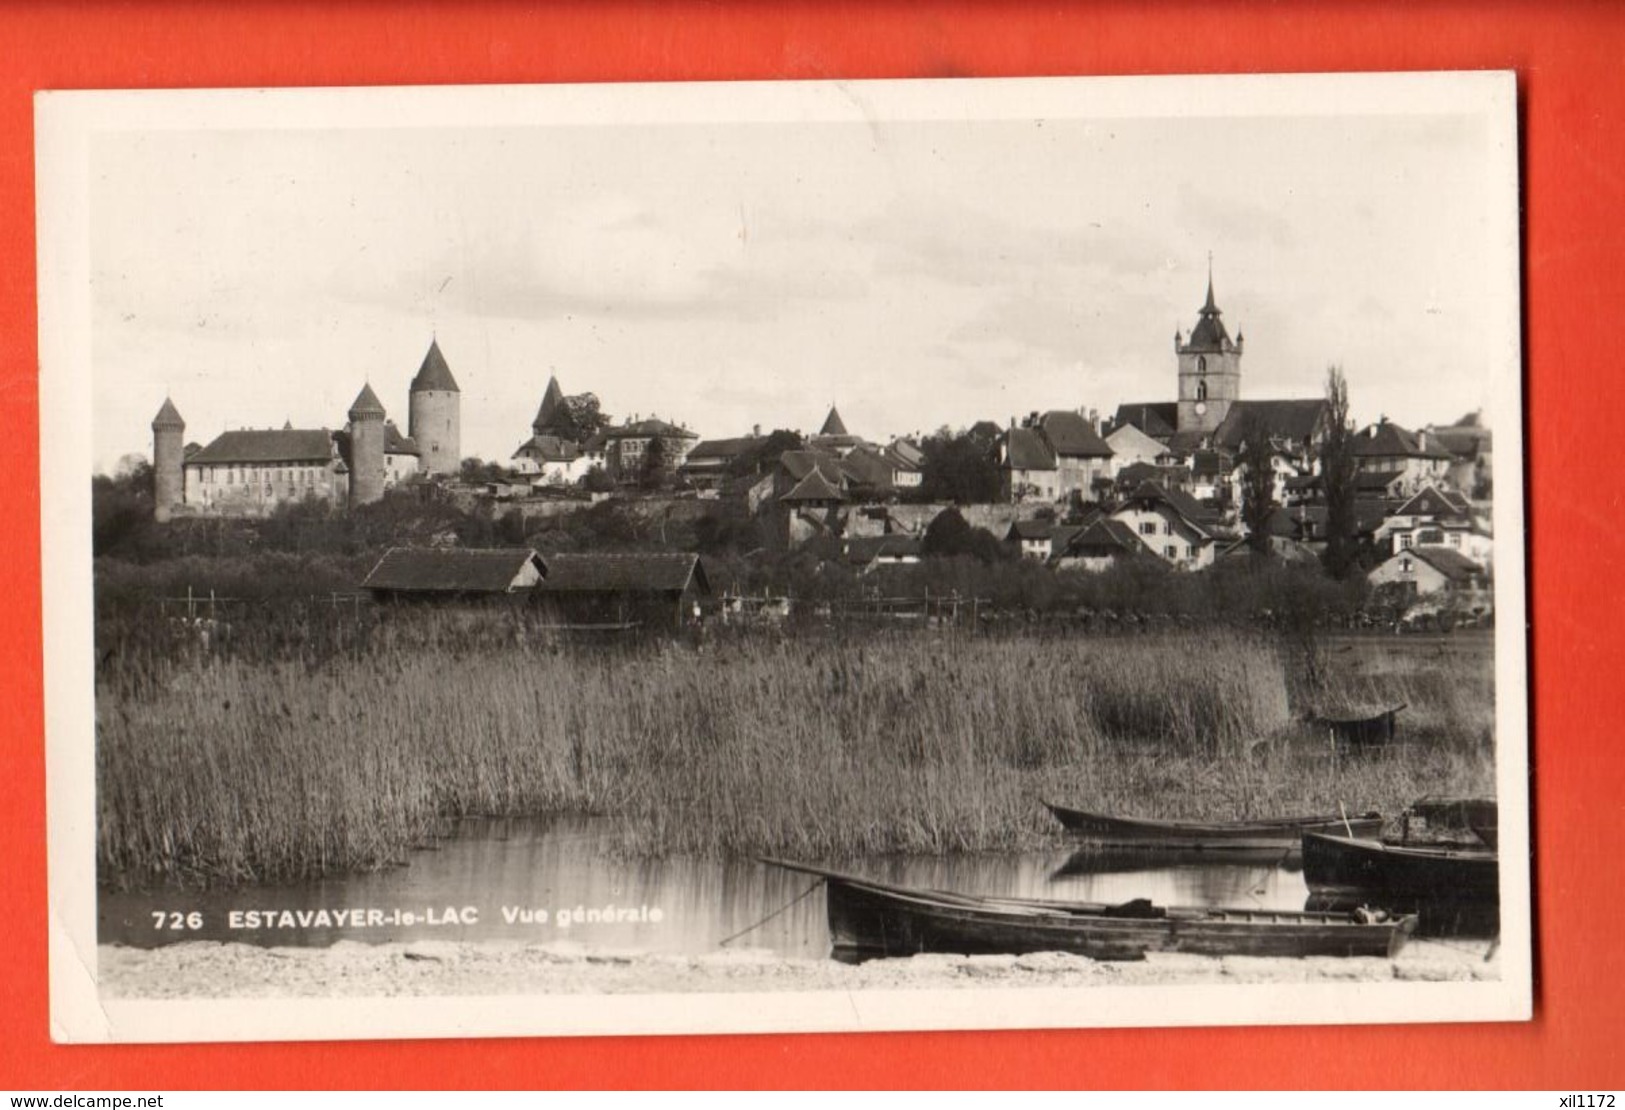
1130 446
1436 517
1471 443
1027 467
626 447
868 553
1430 571
1099 545
1402 461
711 462
407 574
1170 524
249 472
1032 538
906 461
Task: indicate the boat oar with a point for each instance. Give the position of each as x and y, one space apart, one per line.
1343 813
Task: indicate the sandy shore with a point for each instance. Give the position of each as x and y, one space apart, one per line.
217 970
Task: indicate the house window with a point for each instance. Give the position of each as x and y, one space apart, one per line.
1190 552
1148 527
1171 551
1167 528
1404 541
1405 566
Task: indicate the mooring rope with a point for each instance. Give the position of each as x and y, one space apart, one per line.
771 916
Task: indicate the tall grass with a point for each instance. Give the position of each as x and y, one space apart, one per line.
214 768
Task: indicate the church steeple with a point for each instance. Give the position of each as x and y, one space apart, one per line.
1209 368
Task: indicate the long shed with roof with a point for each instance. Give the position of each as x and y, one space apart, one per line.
658 589
454 574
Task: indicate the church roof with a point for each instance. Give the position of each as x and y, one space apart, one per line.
1295 420
434 374
833 425
168 417
552 402
366 403
1157 419
266 445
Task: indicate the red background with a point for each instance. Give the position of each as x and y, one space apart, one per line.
1570 77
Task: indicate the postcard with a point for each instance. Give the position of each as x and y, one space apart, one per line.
783 556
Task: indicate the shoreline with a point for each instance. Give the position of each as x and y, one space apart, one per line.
212 969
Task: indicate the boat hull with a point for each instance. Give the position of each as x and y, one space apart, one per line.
1453 891
870 919
1283 834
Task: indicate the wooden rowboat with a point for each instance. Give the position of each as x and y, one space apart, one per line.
1399 872
1281 834
869 918
1355 735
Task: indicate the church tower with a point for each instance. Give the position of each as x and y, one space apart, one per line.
434 415
168 458
366 448
1209 369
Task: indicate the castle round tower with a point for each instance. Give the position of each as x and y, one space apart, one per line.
434 415
1209 370
366 448
168 460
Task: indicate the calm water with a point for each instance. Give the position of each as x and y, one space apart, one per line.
549 880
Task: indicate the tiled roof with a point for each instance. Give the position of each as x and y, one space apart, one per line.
1157 419
1209 334
1025 449
168 416
798 464
267 446
833 424
397 444
723 450
548 412
650 427
907 453
366 403
1291 419
1071 436
1103 537
1211 464
1449 562
548 449
865 466
1181 503
1030 530
592 572
454 570
1432 501
814 487
434 374
1183 443
1389 440
1127 439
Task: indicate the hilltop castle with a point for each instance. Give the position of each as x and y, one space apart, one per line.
250 471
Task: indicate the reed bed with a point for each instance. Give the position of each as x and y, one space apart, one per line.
221 769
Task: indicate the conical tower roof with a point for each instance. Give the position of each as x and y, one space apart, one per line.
434 374
833 425
168 417
366 403
552 399
1209 334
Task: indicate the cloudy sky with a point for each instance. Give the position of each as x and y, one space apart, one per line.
916 273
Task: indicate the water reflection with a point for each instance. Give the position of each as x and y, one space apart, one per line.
550 880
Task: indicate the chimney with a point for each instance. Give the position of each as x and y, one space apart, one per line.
1422 440
756 430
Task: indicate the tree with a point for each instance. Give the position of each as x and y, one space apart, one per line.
950 534
1257 465
476 471
1338 468
579 417
958 467
655 471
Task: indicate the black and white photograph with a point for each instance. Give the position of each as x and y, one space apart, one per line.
784 557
